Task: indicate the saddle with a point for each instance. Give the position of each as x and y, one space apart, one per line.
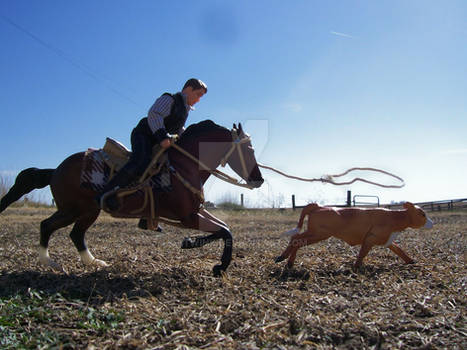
116 155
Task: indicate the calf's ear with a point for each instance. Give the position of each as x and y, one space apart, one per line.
408 205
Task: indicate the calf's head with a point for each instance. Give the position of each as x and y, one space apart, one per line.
417 216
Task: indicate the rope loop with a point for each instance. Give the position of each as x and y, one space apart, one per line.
330 178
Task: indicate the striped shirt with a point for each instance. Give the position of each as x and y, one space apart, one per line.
160 110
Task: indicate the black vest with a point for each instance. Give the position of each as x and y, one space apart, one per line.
173 123
178 114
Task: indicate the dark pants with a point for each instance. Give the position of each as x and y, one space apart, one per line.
141 147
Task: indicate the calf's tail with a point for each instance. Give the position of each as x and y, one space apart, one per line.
26 181
305 211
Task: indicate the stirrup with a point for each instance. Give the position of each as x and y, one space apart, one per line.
104 197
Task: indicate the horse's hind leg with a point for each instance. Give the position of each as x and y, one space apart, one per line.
58 220
77 236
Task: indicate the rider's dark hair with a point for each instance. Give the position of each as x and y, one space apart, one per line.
196 84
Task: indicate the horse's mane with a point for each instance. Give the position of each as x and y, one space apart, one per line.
200 128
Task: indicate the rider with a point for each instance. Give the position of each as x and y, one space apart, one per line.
166 116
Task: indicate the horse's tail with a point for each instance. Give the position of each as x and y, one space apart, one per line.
26 181
305 211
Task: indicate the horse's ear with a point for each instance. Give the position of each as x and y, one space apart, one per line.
240 130
234 126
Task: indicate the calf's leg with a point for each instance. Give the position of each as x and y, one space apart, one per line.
298 241
396 249
368 243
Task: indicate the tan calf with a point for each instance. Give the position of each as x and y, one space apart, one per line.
368 227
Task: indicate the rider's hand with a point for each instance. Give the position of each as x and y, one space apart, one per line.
165 143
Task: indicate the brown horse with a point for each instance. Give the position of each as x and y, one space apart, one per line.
206 141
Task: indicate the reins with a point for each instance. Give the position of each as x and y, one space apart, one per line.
330 178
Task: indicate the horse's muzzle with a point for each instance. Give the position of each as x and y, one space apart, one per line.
256 183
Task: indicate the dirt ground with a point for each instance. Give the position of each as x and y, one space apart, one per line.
156 296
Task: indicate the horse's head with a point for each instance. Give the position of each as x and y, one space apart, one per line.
241 158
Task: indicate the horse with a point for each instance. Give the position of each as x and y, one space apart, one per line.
182 206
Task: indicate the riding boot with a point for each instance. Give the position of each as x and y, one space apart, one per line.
143 225
121 179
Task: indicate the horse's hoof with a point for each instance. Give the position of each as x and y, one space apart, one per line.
279 259
188 243
100 263
217 270
52 264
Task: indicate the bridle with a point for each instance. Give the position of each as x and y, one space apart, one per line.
237 145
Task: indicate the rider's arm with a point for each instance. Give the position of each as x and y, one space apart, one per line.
159 110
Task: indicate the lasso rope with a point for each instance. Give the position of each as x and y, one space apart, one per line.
330 178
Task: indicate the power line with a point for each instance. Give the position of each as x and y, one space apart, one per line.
70 60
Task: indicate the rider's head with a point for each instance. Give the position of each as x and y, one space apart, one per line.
194 89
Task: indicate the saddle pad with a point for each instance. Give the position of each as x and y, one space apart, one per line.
95 172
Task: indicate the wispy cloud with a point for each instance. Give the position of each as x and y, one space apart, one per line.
459 151
342 34
8 172
293 107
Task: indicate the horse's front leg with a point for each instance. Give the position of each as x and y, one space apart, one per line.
209 223
203 212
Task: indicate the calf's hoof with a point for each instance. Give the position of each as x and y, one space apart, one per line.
357 267
279 259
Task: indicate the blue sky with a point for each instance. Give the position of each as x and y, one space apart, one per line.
320 86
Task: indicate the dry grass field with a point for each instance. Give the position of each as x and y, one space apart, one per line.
156 296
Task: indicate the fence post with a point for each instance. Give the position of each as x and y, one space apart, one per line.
293 202
349 200
241 200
